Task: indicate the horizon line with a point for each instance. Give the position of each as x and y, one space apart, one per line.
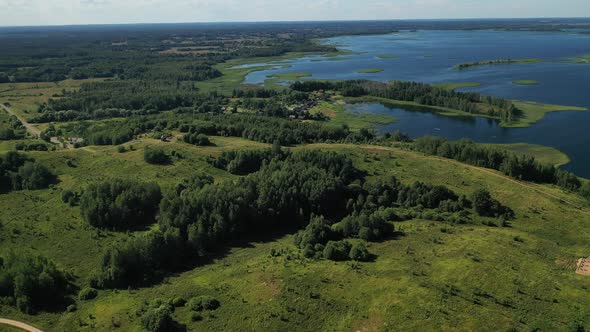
302 21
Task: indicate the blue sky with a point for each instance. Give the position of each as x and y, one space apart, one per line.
52 12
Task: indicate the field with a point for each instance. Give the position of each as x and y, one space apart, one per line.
526 82
338 116
436 276
543 154
459 85
370 70
534 112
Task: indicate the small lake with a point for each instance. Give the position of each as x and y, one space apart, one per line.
429 56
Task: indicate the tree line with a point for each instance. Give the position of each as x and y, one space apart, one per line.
517 166
423 94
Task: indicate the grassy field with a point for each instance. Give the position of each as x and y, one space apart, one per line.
543 154
458 85
24 98
534 112
355 121
370 70
526 82
437 276
583 59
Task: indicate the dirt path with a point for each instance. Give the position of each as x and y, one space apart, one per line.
526 185
30 128
20 325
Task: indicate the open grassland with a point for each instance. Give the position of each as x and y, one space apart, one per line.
458 85
339 116
437 276
534 112
526 82
543 154
24 98
370 70
583 59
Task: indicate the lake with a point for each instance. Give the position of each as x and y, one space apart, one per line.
429 56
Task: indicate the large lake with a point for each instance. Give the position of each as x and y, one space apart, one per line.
429 56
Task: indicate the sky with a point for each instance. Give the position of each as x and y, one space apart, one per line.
65 12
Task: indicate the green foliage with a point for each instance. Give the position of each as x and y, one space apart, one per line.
485 205
87 293
156 156
420 93
359 252
33 282
18 172
120 204
521 167
203 302
337 250
197 139
158 319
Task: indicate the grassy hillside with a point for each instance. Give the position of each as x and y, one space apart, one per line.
435 276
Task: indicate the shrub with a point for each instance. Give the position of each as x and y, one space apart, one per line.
71 308
178 302
120 204
158 319
156 156
203 302
359 252
337 250
195 317
87 293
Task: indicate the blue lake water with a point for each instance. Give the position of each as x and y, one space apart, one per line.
429 56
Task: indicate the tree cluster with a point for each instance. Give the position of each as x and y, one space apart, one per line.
517 166
33 283
120 204
19 172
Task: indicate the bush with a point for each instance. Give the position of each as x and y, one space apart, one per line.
120 204
337 250
71 308
156 156
203 302
158 319
486 206
197 139
195 317
87 293
359 252
178 302
121 149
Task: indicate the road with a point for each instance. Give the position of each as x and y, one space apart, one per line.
20 325
30 128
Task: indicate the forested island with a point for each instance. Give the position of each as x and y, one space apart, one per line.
467 65
145 187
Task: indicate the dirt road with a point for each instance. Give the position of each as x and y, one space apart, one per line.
30 128
20 325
